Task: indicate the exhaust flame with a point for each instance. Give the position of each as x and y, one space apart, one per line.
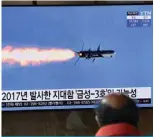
34 56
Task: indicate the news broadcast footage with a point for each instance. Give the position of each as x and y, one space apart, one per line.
70 57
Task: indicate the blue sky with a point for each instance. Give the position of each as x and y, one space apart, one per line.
66 27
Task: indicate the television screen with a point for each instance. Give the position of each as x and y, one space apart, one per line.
70 57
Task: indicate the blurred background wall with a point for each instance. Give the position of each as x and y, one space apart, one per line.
66 122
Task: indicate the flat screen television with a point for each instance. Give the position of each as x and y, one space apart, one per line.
69 57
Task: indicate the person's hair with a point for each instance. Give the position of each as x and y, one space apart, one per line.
127 114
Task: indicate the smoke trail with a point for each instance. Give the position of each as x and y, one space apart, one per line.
35 56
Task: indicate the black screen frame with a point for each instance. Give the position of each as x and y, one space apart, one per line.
73 3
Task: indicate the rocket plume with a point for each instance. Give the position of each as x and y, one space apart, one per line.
34 56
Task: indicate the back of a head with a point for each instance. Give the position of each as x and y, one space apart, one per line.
116 109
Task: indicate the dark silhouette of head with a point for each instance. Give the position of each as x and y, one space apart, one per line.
117 108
